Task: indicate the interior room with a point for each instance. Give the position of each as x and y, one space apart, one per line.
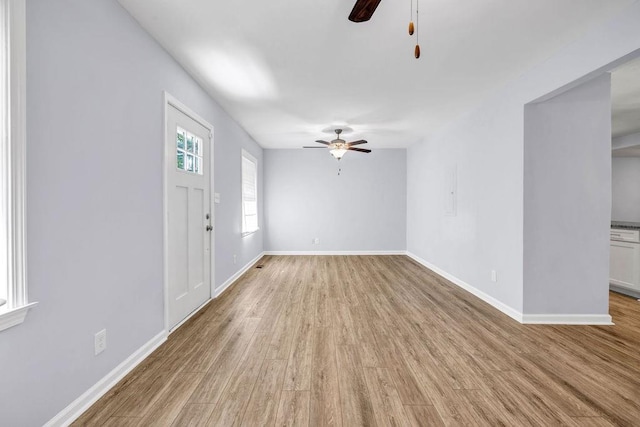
625 171
319 213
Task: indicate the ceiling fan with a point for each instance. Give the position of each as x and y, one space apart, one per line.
338 146
363 10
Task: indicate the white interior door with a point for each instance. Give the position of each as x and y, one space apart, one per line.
189 217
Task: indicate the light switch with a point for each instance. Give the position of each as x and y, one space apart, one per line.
216 197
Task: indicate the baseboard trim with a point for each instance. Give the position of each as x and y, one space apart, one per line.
514 314
231 280
567 319
624 291
531 319
99 389
335 252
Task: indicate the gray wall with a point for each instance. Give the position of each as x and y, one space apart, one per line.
487 145
363 209
625 185
94 218
567 199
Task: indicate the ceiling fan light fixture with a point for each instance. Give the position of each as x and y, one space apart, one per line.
337 153
338 147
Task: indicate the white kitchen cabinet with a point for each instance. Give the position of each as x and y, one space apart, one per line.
625 265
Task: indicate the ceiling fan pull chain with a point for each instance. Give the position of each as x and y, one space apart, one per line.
411 28
417 49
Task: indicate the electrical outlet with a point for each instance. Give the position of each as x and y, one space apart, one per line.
316 241
494 276
100 341
235 259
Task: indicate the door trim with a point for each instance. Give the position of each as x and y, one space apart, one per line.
171 101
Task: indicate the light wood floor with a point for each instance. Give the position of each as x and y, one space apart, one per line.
377 341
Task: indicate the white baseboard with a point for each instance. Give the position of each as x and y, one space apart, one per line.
567 319
514 314
538 319
220 289
91 396
335 252
625 291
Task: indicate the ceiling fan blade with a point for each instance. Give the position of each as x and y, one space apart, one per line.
363 10
362 141
362 150
323 142
315 146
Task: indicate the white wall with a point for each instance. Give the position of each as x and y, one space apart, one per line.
487 146
363 209
567 199
94 217
625 187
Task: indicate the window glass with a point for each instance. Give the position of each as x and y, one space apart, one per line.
249 193
189 152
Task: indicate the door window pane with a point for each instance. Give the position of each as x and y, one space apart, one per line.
181 138
180 162
190 162
189 142
189 152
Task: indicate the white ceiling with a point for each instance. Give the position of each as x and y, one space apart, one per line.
625 99
288 69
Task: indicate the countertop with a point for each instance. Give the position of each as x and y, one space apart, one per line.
625 225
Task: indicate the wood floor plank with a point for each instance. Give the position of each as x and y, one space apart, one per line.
325 393
284 328
527 404
343 327
423 416
235 397
145 394
322 310
376 340
591 422
387 406
209 347
364 336
122 422
355 402
263 405
171 399
294 408
298 374
193 415
214 381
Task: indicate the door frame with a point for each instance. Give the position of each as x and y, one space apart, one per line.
171 101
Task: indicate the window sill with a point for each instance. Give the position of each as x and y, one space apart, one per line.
14 317
248 233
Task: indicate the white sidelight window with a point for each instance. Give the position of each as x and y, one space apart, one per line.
249 193
13 282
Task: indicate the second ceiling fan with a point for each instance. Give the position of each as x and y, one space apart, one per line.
338 146
363 10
